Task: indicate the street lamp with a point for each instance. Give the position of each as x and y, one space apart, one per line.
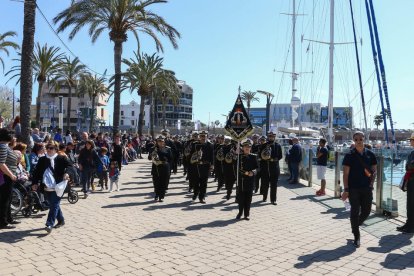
269 98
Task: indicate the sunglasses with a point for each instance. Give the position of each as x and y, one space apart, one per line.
360 139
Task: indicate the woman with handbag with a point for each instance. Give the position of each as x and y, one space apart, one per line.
8 167
408 227
50 170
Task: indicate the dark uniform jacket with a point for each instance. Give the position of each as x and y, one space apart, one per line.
206 149
247 163
164 155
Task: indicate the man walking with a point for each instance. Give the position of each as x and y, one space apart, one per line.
359 168
321 163
295 157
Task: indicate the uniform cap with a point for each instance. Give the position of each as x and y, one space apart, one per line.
247 142
203 132
262 138
160 137
271 133
165 131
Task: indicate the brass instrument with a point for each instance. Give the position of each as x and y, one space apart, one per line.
155 157
230 156
196 156
266 153
220 154
187 150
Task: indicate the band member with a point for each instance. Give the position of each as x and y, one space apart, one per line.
229 165
255 150
169 143
161 156
202 161
270 154
191 168
218 160
177 154
245 186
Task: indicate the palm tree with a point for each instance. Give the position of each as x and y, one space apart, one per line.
378 120
68 75
46 63
6 44
139 76
118 17
166 88
26 81
249 97
94 87
312 113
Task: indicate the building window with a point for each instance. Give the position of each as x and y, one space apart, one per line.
122 122
132 122
132 113
122 113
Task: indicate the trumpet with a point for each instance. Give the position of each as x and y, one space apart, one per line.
220 154
197 156
155 157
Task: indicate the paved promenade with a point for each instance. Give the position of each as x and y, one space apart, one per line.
127 232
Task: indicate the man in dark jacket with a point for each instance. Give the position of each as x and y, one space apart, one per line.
295 157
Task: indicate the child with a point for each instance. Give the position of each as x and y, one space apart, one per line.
102 169
114 176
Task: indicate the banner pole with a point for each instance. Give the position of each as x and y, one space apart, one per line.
238 164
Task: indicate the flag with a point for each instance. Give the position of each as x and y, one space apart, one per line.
238 124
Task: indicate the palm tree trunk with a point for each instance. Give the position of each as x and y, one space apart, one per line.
39 97
69 108
141 116
26 80
248 109
163 114
152 116
117 85
93 114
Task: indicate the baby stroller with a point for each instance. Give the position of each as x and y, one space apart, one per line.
73 195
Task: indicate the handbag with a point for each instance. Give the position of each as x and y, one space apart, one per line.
60 188
404 181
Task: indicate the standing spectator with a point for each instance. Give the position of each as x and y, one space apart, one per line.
287 159
25 162
35 136
68 137
54 166
17 128
295 157
359 167
81 144
321 163
117 151
100 141
102 169
87 160
58 136
113 176
37 152
8 166
408 227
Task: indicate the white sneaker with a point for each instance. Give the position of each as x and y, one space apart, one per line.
117 190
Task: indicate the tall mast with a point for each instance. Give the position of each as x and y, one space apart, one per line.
295 101
331 73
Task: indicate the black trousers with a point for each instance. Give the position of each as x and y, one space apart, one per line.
175 164
361 203
218 168
192 176
410 206
244 199
257 181
269 178
201 176
160 179
5 201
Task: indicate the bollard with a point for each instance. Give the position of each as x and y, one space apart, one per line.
378 196
337 188
310 167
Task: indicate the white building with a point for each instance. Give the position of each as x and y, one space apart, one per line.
130 116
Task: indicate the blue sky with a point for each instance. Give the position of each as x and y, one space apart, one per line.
227 43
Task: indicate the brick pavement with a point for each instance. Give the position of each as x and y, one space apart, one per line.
127 232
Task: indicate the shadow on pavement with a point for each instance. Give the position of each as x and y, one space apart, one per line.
18 236
162 234
392 242
399 261
340 213
213 224
326 255
128 204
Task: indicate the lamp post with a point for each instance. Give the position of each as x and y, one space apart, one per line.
269 98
